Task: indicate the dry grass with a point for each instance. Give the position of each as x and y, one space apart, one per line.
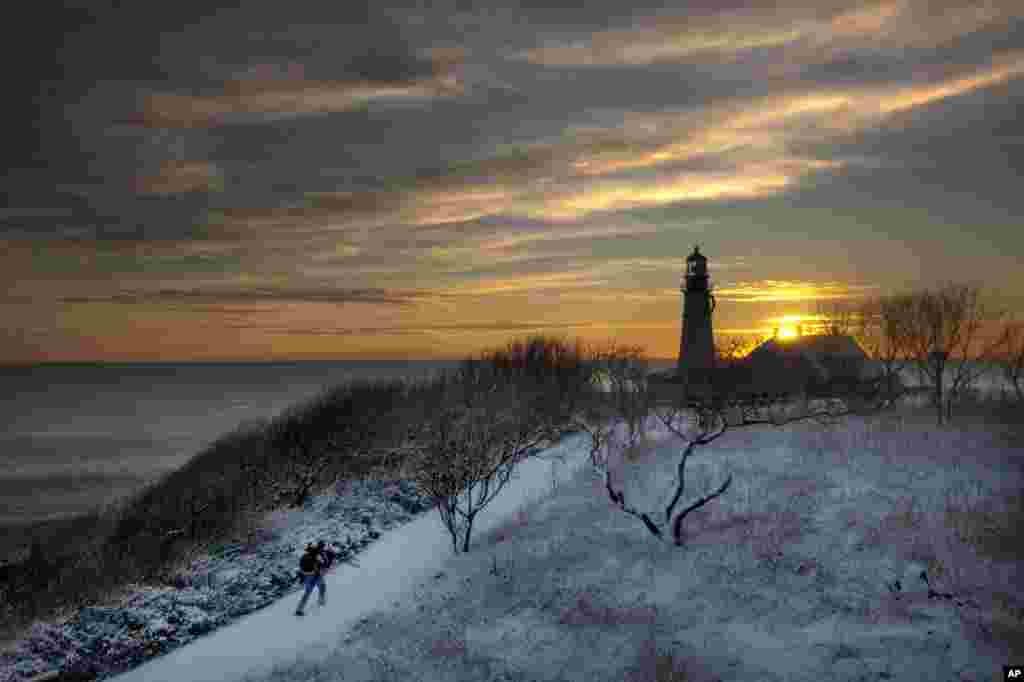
660 665
448 648
965 535
586 612
508 529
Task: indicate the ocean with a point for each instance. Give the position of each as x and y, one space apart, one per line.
73 436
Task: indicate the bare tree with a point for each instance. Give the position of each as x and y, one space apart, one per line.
552 371
622 371
1011 348
710 419
302 457
729 350
311 443
945 341
839 318
883 330
464 456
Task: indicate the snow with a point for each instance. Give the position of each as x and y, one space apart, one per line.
790 575
387 571
830 557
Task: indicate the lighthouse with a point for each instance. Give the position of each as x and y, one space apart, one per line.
696 347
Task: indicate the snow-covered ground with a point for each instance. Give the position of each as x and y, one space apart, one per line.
840 553
829 558
385 574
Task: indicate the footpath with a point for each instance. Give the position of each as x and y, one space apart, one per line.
217 589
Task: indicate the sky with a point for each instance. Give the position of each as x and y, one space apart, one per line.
310 180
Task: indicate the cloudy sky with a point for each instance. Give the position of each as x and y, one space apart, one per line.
304 179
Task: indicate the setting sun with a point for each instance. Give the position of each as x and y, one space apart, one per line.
789 326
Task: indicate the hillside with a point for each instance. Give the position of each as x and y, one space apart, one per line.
873 550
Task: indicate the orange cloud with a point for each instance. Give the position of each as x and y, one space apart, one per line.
806 34
767 291
535 282
179 177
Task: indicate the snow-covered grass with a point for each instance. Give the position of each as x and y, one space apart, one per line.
876 549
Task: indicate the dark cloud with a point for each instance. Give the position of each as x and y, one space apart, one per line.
866 67
325 295
412 330
971 147
376 65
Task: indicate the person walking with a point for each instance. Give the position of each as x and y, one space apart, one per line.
312 567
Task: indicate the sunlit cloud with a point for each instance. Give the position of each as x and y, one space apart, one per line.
767 128
749 182
775 291
595 276
1003 68
751 143
804 36
179 177
537 282
553 234
794 318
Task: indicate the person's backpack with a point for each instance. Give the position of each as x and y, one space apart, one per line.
308 563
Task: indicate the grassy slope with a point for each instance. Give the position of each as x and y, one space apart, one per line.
785 577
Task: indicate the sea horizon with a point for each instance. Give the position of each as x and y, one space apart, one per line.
144 363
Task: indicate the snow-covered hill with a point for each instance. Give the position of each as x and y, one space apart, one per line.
858 552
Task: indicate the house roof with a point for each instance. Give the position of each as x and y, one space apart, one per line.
814 345
813 352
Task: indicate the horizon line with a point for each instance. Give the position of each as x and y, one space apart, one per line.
237 361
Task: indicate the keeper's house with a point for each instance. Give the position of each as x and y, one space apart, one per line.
807 363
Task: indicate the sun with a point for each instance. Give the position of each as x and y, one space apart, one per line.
787 332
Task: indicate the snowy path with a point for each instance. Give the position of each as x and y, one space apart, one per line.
386 572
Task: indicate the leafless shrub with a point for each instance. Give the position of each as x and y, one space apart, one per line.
883 330
312 444
699 422
552 372
838 317
945 341
464 456
1011 351
619 392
